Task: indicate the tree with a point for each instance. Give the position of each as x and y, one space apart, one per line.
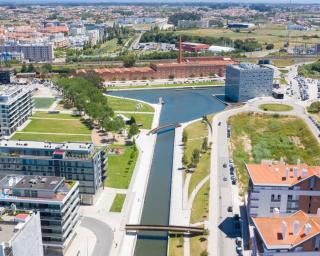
195 157
185 159
129 60
23 68
184 137
94 78
269 46
31 68
204 146
132 120
204 253
134 129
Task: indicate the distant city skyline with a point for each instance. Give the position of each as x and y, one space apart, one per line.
161 1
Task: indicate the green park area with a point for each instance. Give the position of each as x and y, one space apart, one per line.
191 84
176 242
55 128
117 203
314 110
43 102
120 104
200 207
107 47
196 133
121 164
275 107
255 137
145 120
311 70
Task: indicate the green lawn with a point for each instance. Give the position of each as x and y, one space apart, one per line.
275 107
43 102
118 104
198 244
196 132
118 203
144 119
255 137
176 245
107 47
44 114
169 85
51 137
120 167
200 206
57 126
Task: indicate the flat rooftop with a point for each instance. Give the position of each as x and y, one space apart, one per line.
9 89
39 182
250 66
68 146
7 231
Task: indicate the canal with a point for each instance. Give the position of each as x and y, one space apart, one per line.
181 105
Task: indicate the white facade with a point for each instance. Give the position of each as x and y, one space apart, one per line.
15 107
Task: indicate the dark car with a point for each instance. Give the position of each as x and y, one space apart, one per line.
219 123
230 209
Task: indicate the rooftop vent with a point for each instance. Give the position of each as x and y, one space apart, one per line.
296 225
276 212
284 230
307 229
304 172
295 172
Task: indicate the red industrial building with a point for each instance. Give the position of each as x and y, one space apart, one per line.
183 68
193 47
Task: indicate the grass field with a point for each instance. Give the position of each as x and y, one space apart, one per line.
144 119
57 126
218 83
176 243
118 203
200 207
275 34
120 167
118 104
196 132
43 114
255 137
43 102
107 47
275 107
51 137
198 245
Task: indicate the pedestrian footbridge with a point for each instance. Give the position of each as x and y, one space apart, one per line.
164 127
183 229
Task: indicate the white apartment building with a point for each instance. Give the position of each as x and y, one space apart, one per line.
15 107
94 36
20 234
286 188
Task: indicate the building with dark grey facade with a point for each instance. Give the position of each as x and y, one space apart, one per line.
6 75
246 81
74 161
15 107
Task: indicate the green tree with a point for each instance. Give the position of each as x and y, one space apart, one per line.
132 120
129 60
184 137
204 146
134 129
31 68
269 46
195 157
23 68
204 253
185 160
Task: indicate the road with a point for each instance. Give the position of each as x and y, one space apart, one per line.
103 233
221 239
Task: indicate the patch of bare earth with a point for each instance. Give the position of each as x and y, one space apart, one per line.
296 140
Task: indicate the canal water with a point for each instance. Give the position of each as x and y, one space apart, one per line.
181 105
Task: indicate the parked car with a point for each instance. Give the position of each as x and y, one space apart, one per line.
230 209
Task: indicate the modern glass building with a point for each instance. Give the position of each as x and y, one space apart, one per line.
75 161
247 81
56 199
15 106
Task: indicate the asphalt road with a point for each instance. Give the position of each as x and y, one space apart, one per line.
103 233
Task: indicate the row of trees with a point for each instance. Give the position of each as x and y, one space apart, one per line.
172 37
85 97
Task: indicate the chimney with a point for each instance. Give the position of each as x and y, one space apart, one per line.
284 230
276 212
307 229
295 172
287 173
180 51
296 225
318 212
304 172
